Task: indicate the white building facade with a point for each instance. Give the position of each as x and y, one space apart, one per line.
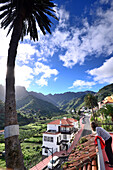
58 135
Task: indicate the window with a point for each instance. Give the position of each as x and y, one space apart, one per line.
50 139
47 138
65 136
46 150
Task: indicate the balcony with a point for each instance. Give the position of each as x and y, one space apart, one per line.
67 131
64 141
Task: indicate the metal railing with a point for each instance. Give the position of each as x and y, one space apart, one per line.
101 165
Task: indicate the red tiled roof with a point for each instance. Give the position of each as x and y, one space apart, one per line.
52 133
55 122
67 121
72 119
82 154
69 126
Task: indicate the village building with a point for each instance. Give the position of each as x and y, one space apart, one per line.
107 100
1 132
59 135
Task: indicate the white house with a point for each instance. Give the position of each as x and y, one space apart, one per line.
58 135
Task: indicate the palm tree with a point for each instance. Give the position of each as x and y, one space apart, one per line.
90 102
21 17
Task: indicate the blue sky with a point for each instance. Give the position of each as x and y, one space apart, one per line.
77 56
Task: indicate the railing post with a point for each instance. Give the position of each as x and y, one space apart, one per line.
100 156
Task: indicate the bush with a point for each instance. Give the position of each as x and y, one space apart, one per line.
83 140
92 119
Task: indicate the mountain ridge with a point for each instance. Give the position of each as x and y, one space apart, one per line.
32 105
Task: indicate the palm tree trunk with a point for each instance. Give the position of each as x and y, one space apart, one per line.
93 113
13 153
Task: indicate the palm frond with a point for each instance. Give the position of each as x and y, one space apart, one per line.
4 1
44 21
5 7
3 14
31 11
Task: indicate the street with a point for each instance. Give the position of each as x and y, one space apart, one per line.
87 128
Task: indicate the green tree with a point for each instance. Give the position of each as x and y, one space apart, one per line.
103 112
106 111
79 112
90 102
21 17
109 109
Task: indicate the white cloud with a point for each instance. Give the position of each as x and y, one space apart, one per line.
45 72
82 84
104 1
95 39
63 16
76 43
55 79
4 43
2 70
103 74
23 75
25 53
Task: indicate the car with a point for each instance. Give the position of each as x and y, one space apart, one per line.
53 162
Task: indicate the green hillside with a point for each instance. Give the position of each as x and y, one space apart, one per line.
30 108
104 92
37 106
73 104
65 98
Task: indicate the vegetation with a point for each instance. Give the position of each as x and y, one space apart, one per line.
104 117
90 102
31 141
64 98
104 92
37 107
73 104
83 140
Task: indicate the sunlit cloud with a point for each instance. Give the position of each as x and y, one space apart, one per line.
103 74
94 38
23 75
26 52
82 84
2 70
44 72
100 75
55 79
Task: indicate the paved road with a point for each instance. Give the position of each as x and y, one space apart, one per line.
87 128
